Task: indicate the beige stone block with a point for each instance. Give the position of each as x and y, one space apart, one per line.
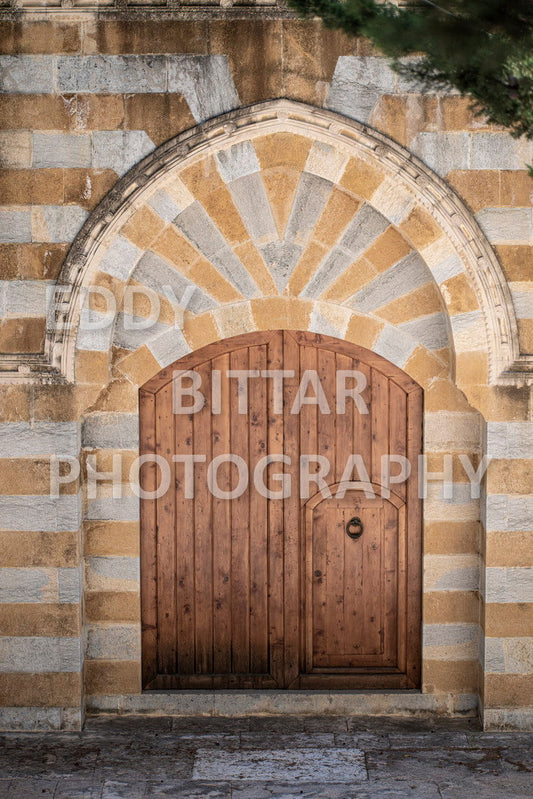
16 149
234 319
390 117
306 267
420 302
457 114
525 335
459 295
118 396
451 538
449 607
508 619
443 395
112 677
510 477
420 228
40 619
57 403
92 367
29 112
62 689
58 549
111 538
471 368
112 606
351 280
252 259
340 209
444 676
508 690
200 330
15 402
361 178
509 549
436 463
119 36
500 403
452 432
478 188
162 116
285 150
139 366
451 572
31 261
31 187
424 367
25 476
363 330
387 250
220 207
22 335
87 187
516 260
272 313
143 227
202 178
39 37
280 186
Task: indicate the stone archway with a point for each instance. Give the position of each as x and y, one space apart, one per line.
350 237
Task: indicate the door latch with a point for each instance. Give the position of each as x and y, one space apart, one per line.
354 528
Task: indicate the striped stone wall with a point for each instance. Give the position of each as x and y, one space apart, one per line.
290 227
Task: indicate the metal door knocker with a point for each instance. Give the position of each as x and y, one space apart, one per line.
354 528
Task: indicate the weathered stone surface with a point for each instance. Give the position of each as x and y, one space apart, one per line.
308 765
431 331
132 332
451 573
162 278
310 198
120 258
25 297
165 205
15 149
111 74
114 643
119 150
15 226
509 440
395 346
111 572
113 508
508 584
522 300
200 230
508 513
502 225
251 200
357 85
61 150
443 152
408 274
40 512
57 223
206 83
27 74
446 432
498 151
237 161
168 346
35 654
111 430
24 439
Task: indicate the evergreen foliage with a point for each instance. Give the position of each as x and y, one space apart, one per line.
482 48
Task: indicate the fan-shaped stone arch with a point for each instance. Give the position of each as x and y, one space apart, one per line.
285 207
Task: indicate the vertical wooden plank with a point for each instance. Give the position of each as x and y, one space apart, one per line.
291 513
344 422
240 527
166 539
380 422
394 589
335 534
275 522
373 576
148 521
257 418
362 422
397 432
354 601
203 531
318 522
222 531
309 609
184 530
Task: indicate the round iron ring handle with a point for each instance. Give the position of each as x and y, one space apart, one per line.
354 528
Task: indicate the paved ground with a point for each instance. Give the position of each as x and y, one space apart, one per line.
259 758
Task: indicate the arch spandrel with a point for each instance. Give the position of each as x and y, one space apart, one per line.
283 203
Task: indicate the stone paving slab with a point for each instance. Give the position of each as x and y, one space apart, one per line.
146 757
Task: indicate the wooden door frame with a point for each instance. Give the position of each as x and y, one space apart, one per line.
411 679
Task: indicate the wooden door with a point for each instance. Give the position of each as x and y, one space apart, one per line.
250 577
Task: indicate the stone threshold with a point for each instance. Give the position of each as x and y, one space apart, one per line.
234 703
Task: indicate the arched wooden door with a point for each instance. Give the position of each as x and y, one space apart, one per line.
274 551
